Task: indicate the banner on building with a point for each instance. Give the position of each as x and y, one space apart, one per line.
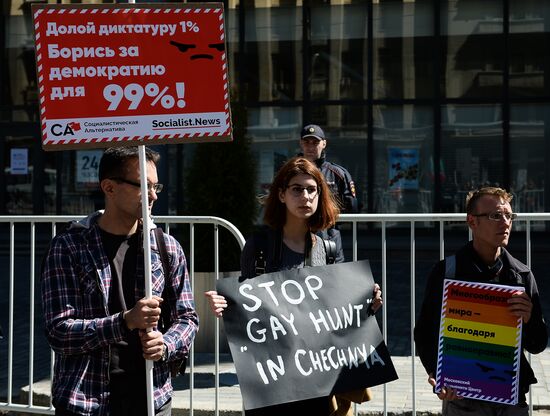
403 164
479 342
19 161
131 74
304 333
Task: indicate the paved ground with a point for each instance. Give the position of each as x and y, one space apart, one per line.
398 395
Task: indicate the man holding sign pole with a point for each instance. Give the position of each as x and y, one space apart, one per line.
98 319
484 260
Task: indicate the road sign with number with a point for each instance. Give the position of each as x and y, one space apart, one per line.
87 166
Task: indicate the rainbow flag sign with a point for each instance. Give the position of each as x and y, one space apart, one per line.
479 342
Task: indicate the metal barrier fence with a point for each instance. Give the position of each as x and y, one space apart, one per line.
351 225
54 221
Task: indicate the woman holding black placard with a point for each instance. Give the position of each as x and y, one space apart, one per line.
299 203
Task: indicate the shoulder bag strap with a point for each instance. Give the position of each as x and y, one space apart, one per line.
165 320
176 367
330 250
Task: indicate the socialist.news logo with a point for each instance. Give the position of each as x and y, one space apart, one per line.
68 129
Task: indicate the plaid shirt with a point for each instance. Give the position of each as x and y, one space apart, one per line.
76 282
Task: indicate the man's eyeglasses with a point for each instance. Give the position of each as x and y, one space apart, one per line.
298 191
155 187
498 216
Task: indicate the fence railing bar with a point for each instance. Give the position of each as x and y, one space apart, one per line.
413 285
217 325
10 313
528 249
52 353
386 302
191 270
31 314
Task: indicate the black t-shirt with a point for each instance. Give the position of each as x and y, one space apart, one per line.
127 362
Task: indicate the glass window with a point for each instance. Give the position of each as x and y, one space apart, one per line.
18 175
403 49
232 38
275 135
345 128
18 84
529 45
528 148
273 48
80 190
30 187
338 58
274 143
473 48
471 151
403 146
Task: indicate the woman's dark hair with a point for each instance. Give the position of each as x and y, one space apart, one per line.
275 211
114 159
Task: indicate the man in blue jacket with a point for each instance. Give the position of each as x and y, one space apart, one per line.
484 260
97 319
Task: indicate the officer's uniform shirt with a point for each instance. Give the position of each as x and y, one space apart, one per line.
340 183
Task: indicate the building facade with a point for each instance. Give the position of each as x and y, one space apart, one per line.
421 100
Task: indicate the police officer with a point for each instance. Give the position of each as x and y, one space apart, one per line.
313 144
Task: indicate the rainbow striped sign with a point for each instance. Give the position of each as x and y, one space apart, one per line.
479 342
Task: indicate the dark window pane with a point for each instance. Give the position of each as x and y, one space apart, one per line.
80 184
233 52
529 125
30 187
346 131
403 49
403 148
471 150
338 58
272 61
529 45
472 48
18 90
275 135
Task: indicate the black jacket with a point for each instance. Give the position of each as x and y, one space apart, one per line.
340 183
469 267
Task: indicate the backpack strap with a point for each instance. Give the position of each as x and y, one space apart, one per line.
450 267
165 320
330 250
260 245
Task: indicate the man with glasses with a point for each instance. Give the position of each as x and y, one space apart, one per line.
97 319
484 260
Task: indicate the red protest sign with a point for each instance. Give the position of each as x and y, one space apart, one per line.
131 74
